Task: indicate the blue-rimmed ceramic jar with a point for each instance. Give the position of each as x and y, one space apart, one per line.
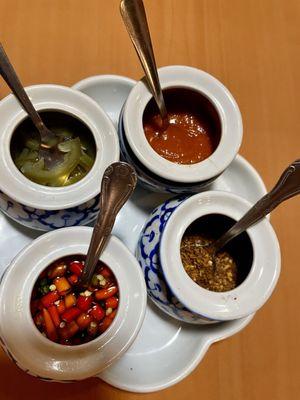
170 287
47 208
161 175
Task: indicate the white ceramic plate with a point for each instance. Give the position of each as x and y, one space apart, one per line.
165 350
150 363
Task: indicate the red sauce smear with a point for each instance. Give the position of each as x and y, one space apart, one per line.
194 127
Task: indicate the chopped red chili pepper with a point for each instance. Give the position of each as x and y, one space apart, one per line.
84 302
49 298
66 315
49 326
76 267
105 272
111 302
54 315
84 320
103 294
97 312
70 314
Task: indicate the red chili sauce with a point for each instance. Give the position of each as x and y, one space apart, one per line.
194 129
66 315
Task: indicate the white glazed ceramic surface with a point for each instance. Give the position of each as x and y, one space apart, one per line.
47 208
166 351
53 361
219 96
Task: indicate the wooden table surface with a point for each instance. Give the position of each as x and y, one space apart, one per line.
253 47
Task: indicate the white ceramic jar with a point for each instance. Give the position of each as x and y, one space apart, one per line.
37 355
47 208
155 172
170 287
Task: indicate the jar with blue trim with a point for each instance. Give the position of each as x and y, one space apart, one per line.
67 195
256 254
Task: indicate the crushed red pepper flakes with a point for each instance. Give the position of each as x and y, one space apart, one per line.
199 265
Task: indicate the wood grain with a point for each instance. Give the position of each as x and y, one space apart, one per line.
253 47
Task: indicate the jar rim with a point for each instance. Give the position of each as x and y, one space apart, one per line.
231 125
62 99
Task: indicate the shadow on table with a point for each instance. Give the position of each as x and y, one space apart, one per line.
16 384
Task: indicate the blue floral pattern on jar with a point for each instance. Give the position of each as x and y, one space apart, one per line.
149 259
47 220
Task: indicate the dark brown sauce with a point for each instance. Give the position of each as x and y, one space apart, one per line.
194 129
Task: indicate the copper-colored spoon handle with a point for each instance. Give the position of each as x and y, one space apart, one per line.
118 183
135 20
11 78
287 186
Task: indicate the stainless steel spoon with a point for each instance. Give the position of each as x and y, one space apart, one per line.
287 186
135 20
118 182
48 145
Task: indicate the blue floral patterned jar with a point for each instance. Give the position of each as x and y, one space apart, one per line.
170 287
47 208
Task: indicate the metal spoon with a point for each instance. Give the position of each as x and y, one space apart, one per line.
135 20
48 149
118 182
287 186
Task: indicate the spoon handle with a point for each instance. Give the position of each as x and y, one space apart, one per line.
135 20
118 182
11 78
287 186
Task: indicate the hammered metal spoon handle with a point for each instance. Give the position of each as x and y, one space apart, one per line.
135 20
11 78
118 183
287 186
48 149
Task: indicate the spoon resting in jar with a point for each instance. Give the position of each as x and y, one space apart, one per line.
135 20
287 186
118 183
48 149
